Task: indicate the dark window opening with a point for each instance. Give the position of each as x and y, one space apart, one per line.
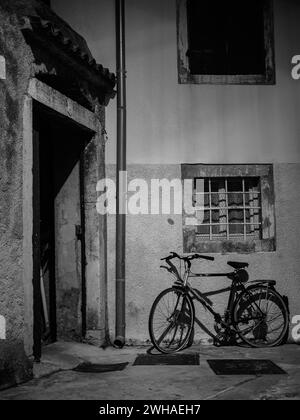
48 2
229 41
226 38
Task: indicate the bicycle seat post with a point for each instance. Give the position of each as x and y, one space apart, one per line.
187 270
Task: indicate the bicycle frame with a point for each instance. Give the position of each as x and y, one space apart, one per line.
243 314
234 289
183 283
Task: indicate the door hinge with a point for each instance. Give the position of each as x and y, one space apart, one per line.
78 231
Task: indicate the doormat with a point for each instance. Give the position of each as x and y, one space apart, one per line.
167 359
245 367
97 368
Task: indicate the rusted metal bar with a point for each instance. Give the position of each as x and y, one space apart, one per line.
229 208
235 223
228 192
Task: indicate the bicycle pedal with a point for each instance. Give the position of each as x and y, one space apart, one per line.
225 339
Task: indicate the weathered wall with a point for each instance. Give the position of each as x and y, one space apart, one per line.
150 238
13 367
96 269
68 258
170 124
16 291
188 123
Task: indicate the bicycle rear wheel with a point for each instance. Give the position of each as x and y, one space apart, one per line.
261 317
171 320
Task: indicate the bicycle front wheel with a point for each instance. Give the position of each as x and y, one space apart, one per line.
171 320
261 317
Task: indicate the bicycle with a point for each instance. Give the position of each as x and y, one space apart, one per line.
256 313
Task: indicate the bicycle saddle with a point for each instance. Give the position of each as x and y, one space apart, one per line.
237 265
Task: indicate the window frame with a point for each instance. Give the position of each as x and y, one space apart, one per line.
192 242
184 75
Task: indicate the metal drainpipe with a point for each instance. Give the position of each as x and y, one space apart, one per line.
121 168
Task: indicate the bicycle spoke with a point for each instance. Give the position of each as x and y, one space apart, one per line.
173 338
273 319
261 319
276 329
267 301
171 321
165 333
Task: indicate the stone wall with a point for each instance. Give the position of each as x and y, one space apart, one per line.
16 290
12 93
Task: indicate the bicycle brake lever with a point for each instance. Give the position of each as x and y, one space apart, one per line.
166 268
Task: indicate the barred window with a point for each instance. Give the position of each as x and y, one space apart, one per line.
228 208
234 208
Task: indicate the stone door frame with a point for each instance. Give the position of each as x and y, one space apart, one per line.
49 97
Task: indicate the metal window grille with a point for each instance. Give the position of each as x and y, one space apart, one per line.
228 208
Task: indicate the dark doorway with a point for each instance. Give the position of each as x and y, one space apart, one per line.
59 228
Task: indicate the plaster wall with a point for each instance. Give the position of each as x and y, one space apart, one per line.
151 237
170 123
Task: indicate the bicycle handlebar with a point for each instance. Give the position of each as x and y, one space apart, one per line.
205 257
188 258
